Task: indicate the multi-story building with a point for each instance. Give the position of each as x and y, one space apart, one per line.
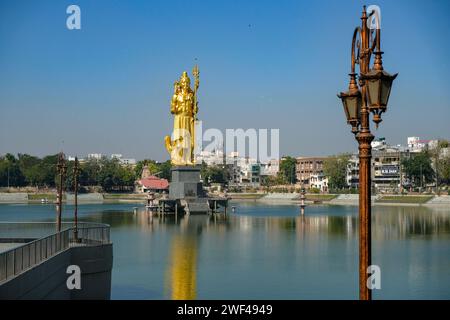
96 156
251 175
124 161
386 169
270 168
242 171
319 181
214 157
306 167
352 176
415 144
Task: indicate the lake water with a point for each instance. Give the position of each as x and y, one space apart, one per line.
265 251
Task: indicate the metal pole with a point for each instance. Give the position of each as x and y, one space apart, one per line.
75 181
60 201
61 166
176 212
364 138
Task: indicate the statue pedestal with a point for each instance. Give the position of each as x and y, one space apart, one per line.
187 190
186 183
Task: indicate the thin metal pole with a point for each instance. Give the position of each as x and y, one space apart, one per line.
61 166
59 202
75 181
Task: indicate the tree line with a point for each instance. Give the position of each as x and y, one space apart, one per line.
26 170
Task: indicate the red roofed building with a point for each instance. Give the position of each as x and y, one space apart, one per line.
152 184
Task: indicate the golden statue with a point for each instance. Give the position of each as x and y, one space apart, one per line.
184 107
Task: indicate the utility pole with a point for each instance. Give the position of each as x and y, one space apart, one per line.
61 168
8 174
76 172
400 171
421 179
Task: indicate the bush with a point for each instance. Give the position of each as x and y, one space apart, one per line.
314 190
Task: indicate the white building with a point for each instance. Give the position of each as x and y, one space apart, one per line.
271 168
214 157
96 156
379 143
352 176
123 161
127 161
415 144
319 181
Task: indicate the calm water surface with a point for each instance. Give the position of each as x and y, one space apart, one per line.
265 251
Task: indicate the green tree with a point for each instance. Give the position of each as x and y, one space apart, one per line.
113 176
165 169
287 170
214 174
443 169
335 168
418 168
48 171
151 164
10 173
89 173
443 144
270 181
29 166
439 162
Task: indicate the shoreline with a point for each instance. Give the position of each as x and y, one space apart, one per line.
262 198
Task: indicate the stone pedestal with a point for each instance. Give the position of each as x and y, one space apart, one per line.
186 192
186 183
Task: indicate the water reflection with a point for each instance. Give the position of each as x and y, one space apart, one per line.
387 223
317 244
268 251
182 266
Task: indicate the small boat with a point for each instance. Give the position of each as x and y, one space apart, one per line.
44 200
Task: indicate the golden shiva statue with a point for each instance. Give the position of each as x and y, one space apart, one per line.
184 107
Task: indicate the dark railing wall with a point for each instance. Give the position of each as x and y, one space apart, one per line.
19 259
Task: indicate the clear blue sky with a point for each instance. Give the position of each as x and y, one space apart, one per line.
264 64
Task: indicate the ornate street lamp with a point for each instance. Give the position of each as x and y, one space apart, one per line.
379 83
352 100
370 94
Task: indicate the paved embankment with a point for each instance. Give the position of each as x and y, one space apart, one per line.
347 199
85 198
21 197
439 201
280 197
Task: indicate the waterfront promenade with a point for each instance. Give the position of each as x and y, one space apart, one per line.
311 199
34 260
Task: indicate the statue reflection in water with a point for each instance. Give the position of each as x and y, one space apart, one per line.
181 277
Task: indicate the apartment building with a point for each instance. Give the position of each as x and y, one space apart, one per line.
307 167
